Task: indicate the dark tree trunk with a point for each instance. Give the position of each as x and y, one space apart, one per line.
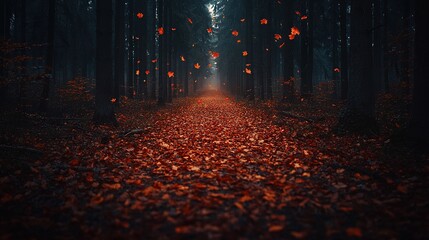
305 84
386 45
131 48
249 79
344 50
311 18
335 67
419 125
271 46
44 100
288 56
169 50
119 48
359 115
405 56
378 49
162 95
105 83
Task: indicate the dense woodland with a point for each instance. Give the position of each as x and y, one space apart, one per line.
272 119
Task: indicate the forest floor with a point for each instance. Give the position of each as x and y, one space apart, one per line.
209 167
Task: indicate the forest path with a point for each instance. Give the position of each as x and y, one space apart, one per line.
208 168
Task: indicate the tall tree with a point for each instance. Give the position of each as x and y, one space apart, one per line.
386 45
44 99
162 95
119 47
405 45
288 56
344 50
104 111
420 116
335 67
249 79
305 81
359 115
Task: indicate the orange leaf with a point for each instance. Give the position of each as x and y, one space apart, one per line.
248 71
140 15
209 30
235 33
197 66
337 70
354 232
275 228
304 17
238 41
190 21
154 60
113 100
173 29
215 55
245 53
242 20
282 45
147 72
264 21
137 72
182 58
170 74
277 36
161 31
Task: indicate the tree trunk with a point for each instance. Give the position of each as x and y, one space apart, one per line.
249 79
378 49
335 72
405 56
344 50
386 45
162 95
119 48
305 85
105 83
419 124
311 19
44 100
131 47
288 56
359 115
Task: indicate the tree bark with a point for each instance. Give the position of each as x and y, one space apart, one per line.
344 50
119 48
104 111
44 100
419 124
359 115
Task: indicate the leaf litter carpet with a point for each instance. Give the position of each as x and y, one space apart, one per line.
209 168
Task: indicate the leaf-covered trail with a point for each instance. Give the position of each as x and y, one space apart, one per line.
206 168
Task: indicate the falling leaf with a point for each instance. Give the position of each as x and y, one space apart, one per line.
170 74
242 20
337 70
113 100
282 45
277 36
245 53
147 72
215 55
161 31
248 71
239 41
264 21
154 60
182 58
293 33
298 13
235 33
304 17
190 21
197 66
209 30
137 72
173 29
140 15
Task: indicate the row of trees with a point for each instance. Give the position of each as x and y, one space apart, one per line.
119 44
